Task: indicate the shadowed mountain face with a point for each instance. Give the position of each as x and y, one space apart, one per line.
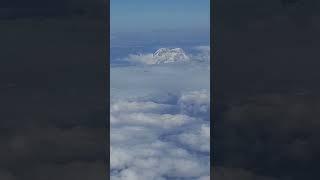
267 95
52 91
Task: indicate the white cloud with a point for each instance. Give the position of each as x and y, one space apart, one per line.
120 157
154 120
204 178
196 138
203 55
142 58
158 160
203 48
134 106
148 144
196 103
159 127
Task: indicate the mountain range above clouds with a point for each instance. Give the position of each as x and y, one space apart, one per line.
168 56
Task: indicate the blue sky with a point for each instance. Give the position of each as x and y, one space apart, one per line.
153 15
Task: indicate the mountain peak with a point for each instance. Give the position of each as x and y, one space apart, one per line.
166 55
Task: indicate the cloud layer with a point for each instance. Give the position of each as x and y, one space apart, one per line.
148 143
159 125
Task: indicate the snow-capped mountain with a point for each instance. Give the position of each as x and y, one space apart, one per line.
165 55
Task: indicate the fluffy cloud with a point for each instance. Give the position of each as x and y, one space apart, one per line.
141 58
159 126
148 145
203 54
134 106
204 178
196 103
196 138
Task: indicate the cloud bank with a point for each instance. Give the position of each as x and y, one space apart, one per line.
160 127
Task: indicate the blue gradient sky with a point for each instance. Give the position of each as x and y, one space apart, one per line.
154 15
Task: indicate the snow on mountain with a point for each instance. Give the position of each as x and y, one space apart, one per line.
175 55
165 55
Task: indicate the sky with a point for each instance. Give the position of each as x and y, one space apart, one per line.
146 15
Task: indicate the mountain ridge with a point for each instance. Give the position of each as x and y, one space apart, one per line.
166 55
